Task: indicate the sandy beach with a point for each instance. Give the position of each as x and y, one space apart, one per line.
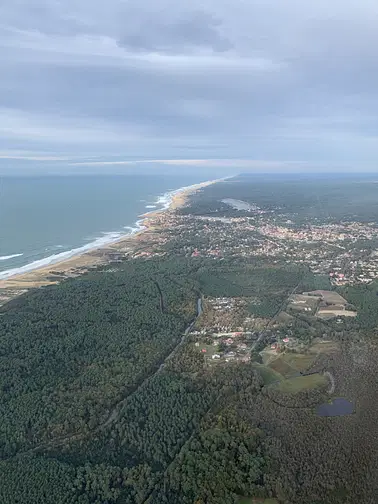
79 264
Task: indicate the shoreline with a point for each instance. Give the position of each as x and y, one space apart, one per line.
88 258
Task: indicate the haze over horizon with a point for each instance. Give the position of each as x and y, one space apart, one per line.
237 86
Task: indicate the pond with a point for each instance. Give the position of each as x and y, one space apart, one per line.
338 407
238 204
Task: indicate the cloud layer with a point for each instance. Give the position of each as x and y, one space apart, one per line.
276 81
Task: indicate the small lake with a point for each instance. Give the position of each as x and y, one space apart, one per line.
338 407
238 204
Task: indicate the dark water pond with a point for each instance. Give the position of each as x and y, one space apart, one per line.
338 407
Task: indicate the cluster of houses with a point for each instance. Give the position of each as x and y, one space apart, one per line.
259 235
226 347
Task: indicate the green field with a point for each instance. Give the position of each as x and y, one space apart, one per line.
280 371
299 362
288 364
299 383
324 347
268 375
281 366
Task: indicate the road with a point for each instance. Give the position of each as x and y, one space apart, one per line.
263 334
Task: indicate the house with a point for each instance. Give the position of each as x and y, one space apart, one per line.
245 358
242 346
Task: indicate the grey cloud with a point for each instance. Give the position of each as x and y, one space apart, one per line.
209 78
189 30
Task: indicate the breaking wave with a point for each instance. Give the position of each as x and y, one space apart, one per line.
5 258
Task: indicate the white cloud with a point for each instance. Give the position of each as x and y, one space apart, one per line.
201 163
270 80
68 130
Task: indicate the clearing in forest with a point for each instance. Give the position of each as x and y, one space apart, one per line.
281 366
299 383
322 346
268 375
290 364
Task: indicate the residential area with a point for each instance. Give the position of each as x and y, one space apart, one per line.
347 253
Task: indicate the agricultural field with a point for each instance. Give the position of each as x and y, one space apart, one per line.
288 364
282 367
268 375
325 347
284 371
299 362
299 383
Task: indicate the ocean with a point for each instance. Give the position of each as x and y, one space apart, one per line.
47 219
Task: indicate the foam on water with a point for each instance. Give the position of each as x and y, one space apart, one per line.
107 238
163 201
5 258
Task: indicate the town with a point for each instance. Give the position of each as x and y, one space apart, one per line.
347 253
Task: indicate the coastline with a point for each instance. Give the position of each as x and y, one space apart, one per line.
88 258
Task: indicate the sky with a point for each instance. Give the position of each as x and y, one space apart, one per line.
236 84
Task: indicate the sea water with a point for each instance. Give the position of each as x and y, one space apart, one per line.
44 220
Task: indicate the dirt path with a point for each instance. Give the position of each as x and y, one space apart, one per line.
263 334
117 409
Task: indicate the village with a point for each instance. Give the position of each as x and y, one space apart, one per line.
347 253
226 332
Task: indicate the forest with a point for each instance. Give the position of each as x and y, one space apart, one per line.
70 352
93 410
103 401
307 198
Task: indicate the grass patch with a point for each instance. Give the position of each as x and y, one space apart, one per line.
299 362
281 366
299 383
267 356
267 374
290 364
324 347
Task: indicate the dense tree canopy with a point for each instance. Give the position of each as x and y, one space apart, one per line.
104 398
